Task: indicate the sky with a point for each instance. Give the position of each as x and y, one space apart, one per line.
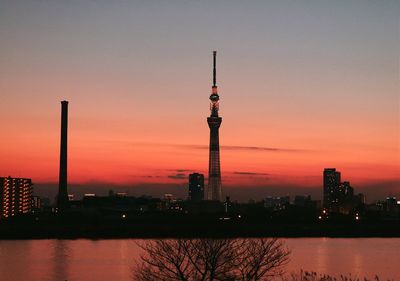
303 85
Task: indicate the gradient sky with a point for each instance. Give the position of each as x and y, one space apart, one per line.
304 85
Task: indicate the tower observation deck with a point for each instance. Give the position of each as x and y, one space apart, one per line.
214 190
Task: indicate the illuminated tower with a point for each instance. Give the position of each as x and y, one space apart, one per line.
62 198
214 121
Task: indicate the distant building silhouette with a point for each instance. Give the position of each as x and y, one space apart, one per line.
388 209
214 190
346 198
302 200
391 204
15 196
361 198
345 190
339 196
36 203
196 187
62 197
227 204
331 185
276 203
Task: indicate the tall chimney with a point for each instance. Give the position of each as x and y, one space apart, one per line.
62 198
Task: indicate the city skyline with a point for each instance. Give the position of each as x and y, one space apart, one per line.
137 110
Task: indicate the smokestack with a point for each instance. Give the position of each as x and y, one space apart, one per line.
62 199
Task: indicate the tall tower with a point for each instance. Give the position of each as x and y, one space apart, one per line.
214 121
62 198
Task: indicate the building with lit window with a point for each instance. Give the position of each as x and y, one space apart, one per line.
15 196
277 203
196 187
331 187
36 203
391 204
339 196
345 198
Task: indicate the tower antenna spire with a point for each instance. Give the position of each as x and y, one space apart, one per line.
215 69
214 190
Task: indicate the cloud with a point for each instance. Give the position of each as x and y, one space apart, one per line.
178 176
135 177
226 147
247 148
258 148
251 174
180 170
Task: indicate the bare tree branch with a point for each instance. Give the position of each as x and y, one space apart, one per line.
211 260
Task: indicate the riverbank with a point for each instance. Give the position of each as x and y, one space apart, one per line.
176 229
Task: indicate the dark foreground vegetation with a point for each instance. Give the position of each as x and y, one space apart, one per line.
211 259
313 276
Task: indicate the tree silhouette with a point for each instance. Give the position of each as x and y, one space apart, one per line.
211 259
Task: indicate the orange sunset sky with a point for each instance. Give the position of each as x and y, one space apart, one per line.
304 85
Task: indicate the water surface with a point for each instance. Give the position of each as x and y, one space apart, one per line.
98 260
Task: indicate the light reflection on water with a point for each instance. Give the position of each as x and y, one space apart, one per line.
86 260
359 256
62 254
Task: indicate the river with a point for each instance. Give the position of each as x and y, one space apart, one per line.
103 260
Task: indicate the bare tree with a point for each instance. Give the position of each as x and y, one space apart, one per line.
211 259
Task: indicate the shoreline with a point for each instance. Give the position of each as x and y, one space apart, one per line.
128 230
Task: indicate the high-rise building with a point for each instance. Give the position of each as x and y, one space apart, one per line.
15 196
196 187
345 198
331 185
338 196
346 190
214 190
62 197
